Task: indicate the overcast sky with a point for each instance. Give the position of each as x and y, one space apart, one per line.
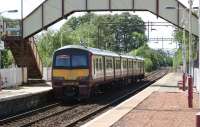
29 5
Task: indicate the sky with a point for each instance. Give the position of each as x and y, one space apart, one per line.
30 5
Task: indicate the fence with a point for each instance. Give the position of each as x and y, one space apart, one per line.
11 28
197 79
47 73
13 77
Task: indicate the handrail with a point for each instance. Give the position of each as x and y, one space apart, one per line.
37 56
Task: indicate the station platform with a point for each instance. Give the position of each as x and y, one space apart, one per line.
22 91
23 98
160 105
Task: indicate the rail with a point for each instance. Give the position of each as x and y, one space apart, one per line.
11 28
85 111
150 80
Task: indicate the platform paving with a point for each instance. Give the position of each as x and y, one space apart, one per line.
22 91
160 105
23 98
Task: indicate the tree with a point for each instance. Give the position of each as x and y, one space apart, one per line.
178 55
119 33
153 58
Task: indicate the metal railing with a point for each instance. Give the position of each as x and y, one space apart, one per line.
11 28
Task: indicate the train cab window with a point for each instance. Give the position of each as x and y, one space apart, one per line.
79 61
62 61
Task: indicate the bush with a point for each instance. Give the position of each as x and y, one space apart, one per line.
148 64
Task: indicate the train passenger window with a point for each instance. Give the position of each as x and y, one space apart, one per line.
130 64
109 64
79 61
118 64
94 67
62 61
124 64
100 64
97 64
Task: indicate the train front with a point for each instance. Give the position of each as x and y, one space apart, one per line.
71 73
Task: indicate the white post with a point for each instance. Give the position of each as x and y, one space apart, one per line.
190 36
184 53
198 76
1 20
199 37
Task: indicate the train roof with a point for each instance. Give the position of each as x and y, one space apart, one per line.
128 56
140 58
92 50
99 51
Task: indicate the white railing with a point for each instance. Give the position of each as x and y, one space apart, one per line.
13 77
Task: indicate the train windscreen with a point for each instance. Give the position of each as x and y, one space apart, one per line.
62 61
79 61
71 61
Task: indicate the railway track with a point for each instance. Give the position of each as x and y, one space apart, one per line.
153 77
27 118
67 116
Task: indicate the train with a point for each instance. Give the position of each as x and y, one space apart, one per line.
78 70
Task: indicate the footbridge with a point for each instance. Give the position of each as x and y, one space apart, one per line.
52 11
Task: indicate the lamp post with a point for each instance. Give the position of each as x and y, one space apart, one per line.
1 20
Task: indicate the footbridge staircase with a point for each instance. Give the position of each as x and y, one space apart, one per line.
25 54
